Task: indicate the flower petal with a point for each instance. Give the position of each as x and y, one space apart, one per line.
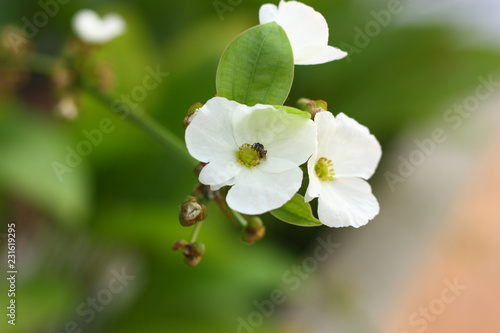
92 29
268 13
349 145
219 174
114 25
307 31
209 137
346 202
289 139
317 54
256 192
303 25
230 182
314 187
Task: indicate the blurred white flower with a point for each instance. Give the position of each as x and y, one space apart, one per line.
257 150
306 29
90 28
346 153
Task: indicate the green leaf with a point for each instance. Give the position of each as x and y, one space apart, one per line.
257 67
297 212
295 111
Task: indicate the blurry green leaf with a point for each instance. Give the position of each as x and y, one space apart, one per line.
291 110
41 300
297 212
34 165
232 277
257 67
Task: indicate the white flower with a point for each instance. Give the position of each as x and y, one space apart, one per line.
90 28
306 29
257 150
346 153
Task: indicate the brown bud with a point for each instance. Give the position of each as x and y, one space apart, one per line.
105 76
191 113
311 106
192 212
193 253
179 244
63 78
67 108
254 231
321 105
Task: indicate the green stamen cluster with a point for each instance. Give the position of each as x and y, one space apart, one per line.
324 169
248 155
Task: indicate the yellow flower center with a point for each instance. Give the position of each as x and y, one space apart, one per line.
324 169
250 155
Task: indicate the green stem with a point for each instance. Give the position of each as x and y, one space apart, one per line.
196 231
42 64
221 202
239 218
150 126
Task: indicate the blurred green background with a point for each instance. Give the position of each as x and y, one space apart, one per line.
118 209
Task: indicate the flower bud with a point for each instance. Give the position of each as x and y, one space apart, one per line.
311 106
192 212
179 244
322 105
254 231
66 108
192 113
193 253
105 76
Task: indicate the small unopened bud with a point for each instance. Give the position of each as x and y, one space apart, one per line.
63 77
254 231
192 113
105 76
193 253
322 105
66 108
192 212
311 106
179 244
